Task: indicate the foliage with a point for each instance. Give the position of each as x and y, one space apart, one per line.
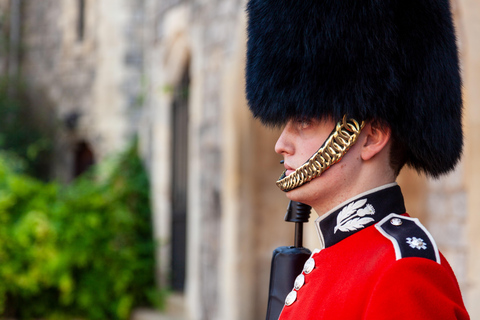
78 251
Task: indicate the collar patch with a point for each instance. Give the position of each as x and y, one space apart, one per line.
353 216
359 213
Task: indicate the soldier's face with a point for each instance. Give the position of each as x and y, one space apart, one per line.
297 143
300 140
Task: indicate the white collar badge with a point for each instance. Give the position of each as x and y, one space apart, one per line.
354 217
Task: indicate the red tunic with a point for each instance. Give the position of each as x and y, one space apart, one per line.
368 274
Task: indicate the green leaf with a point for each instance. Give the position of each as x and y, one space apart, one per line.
83 250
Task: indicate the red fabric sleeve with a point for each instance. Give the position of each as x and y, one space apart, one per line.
416 288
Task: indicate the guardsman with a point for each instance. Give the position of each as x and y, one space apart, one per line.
361 88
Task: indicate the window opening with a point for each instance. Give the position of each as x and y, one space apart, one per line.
81 20
179 181
83 158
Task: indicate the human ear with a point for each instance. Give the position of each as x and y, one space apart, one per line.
377 137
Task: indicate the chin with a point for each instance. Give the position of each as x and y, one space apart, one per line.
302 194
317 193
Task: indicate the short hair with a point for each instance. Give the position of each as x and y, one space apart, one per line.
398 155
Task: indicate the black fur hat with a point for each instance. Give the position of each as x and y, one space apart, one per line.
390 60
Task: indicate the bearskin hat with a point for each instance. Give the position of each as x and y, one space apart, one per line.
389 60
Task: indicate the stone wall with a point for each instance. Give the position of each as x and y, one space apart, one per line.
469 27
91 85
4 35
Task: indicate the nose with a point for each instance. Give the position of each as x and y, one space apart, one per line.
284 144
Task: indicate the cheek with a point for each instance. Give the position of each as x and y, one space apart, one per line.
349 166
345 169
310 148
308 152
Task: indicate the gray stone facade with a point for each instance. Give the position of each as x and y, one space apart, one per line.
83 80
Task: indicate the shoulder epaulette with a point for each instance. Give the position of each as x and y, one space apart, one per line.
409 237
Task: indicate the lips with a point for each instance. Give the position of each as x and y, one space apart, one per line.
288 169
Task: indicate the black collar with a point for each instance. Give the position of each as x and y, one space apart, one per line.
358 213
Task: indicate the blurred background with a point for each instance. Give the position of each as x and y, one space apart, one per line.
134 183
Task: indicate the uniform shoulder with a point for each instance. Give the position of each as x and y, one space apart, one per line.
409 237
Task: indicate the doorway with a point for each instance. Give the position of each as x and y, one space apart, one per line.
179 182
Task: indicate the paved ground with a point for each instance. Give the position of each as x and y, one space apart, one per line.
145 314
175 311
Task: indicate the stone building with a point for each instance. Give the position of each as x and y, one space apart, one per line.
172 72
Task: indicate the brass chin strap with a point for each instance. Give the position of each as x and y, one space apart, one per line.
333 149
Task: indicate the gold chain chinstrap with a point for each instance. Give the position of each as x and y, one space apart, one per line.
334 148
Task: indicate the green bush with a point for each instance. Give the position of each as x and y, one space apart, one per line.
79 251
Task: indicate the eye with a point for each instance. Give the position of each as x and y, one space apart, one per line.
304 123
